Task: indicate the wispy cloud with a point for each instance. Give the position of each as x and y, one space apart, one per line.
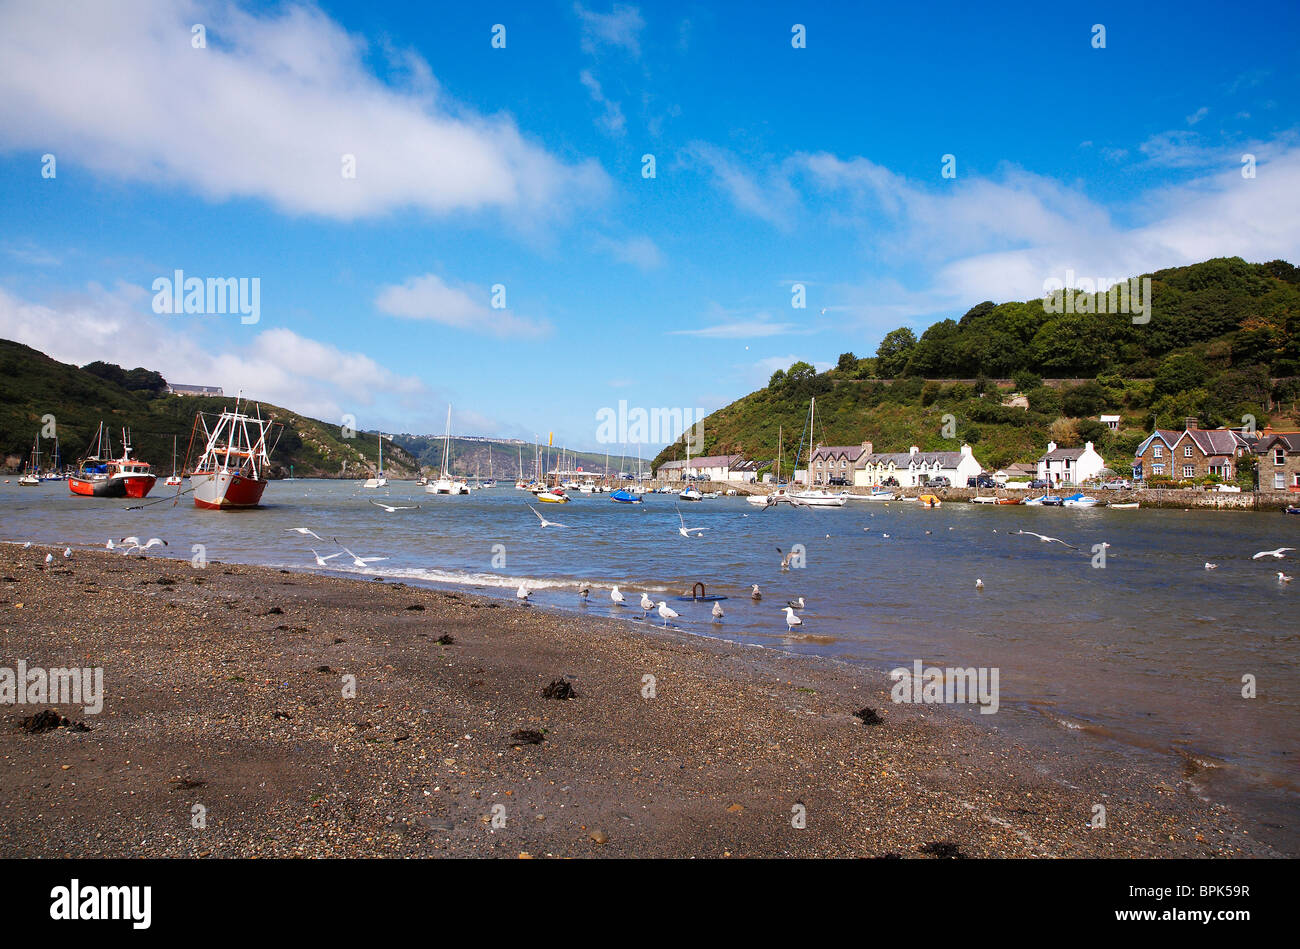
620 28
759 326
641 252
429 297
763 191
611 118
266 111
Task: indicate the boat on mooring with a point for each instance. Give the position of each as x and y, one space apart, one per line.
101 476
231 473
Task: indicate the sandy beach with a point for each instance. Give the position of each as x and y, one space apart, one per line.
224 689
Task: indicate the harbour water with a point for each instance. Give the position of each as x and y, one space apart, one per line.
1145 654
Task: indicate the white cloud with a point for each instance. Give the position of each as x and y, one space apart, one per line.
765 193
612 120
1199 114
429 297
641 252
274 365
620 28
759 326
266 111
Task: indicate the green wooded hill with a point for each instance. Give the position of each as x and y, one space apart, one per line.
32 385
1223 342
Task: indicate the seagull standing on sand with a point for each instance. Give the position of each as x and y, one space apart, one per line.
67 553
304 531
523 592
717 612
754 594
666 612
791 621
321 561
1276 554
1047 540
618 598
545 522
688 531
49 558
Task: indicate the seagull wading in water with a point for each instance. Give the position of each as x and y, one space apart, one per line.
666 612
523 592
618 598
647 605
791 621
717 612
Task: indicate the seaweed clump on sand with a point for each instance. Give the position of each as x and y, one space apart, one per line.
559 689
942 848
869 716
48 720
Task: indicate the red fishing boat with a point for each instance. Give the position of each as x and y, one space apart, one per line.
232 471
102 476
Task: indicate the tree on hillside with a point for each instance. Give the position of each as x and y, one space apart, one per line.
1065 432
848 363
893 352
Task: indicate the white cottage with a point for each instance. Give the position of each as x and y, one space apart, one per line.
914 467
1064 466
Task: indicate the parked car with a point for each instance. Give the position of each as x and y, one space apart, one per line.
1117 484
981 481
840 482
939 482
1039 483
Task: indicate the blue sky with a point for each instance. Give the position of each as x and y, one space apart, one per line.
522 166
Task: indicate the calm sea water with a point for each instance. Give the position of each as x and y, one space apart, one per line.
1145 654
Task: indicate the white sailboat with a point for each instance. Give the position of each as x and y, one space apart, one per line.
378 481
175 479
33 475
817 497
445 484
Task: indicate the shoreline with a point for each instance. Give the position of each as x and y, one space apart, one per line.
215 696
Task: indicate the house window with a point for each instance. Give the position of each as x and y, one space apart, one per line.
1158 452
1157 469
1279 482
1187 451
1189 471
1279 456
843 464
1296 482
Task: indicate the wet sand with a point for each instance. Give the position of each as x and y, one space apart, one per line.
224 689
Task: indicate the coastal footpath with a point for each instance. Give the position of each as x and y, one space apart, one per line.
479 727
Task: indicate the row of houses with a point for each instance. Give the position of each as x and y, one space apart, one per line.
1191 453
1197 452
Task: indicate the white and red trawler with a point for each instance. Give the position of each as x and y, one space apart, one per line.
101 475
231 472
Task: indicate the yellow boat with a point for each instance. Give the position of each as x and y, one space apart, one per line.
551 497
929 500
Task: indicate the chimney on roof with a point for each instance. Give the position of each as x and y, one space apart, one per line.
1191 422
913 450
868 448
1051 447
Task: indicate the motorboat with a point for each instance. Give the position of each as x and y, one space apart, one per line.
818 498
1080 500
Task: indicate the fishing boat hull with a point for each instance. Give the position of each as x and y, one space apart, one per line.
226 490
127 486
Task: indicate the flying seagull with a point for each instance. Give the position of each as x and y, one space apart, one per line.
545 522
785 558
666 612
390 508
304 531
1276 554
791 621
321 561
1047 540
688 531
359 561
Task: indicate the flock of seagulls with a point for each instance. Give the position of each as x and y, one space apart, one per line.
129 545
666 613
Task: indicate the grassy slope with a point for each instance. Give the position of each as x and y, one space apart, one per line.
1236 322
